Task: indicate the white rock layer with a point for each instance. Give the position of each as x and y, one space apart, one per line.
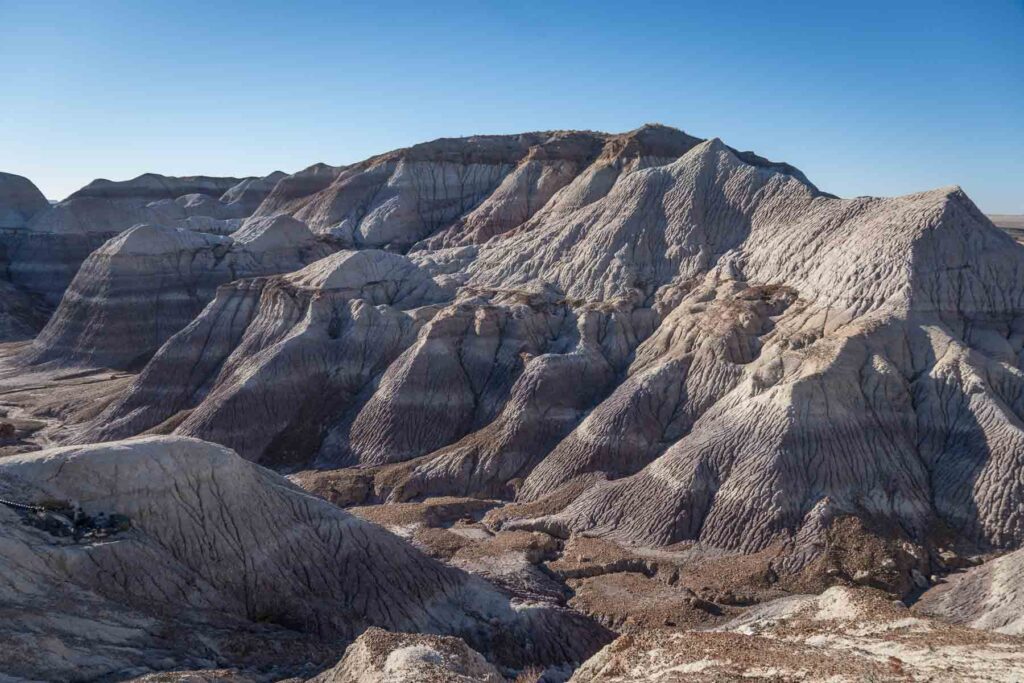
218 544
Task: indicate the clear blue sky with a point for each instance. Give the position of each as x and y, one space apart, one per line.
866 97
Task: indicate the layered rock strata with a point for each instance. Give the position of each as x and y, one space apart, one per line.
142 286
697 342
45 250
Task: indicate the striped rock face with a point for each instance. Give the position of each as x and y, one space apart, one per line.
728 354
643 340
45 245
147 283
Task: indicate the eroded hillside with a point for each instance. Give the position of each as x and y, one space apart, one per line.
573 371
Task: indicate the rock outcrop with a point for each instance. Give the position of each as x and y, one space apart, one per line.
652 360
22 315
276 347
105 208
151 186
989 597
600 239
183 554
465 191
42 263
382 657
461 191
147 283
399 198
927 347
249 193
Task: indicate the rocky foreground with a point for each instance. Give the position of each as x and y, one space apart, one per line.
614 407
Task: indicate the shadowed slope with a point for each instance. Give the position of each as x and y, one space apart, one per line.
733 356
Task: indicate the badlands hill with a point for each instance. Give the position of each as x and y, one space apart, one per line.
577 371
725 327
43 246
223 559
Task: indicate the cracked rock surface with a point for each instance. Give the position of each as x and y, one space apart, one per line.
219 543
568 369
840 635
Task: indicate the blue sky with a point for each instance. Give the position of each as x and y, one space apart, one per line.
866 98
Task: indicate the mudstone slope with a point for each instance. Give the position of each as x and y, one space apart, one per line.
644 341
748 357
841 636
44 249
145 284
215 551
